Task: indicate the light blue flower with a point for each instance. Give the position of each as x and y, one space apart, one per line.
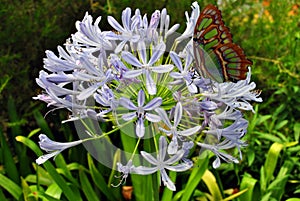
53 148
235 95
125 170
191 22
184 74
141 112
173 129
233 132
161 163
127 33
146 67
217 150
89 38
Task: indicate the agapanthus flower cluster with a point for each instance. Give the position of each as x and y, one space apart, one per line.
142 73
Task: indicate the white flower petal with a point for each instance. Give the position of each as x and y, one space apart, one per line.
162 68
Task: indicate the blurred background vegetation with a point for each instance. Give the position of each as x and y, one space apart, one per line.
267 30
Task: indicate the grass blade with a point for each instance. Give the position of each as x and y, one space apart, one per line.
87 187
10 186
195 177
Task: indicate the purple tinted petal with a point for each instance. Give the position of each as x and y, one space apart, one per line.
176 60
141 98
115 24
162 148
153 104
189 131
140 128
133 73
149 158
120 46
150 85
88 92
158 51
126 18
167 181
60 78
192 88
178 114
217 163
142 51
129 58
173 146
129 116
176 75
152 117
180 167
42 159
125 102
154 19
175 158
102 101
162 68
141 170
162 113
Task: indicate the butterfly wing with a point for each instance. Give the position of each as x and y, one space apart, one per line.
216 56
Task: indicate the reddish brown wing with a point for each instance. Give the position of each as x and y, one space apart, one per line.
233 60
217 57
210 28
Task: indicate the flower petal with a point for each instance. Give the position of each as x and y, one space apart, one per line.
152 117
162 68
129 116
149 158
176 60
133 73
153 104
158 51
162 113
178 114
189 131
150 84
127 103
140 128
129 58
166 180
141 98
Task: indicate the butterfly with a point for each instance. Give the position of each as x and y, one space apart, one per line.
216 56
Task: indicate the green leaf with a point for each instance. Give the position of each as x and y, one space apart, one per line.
25 189
3 82
2 196
100 181
54 191
212 185
69 193
8 161
268 137
281 124
293 199
271 160
250 156
280 181
197 172
87 187
296 131
42 123
65 170
248 183
10 186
